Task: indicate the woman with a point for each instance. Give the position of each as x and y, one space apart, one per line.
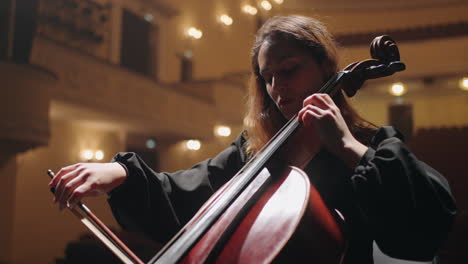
382 190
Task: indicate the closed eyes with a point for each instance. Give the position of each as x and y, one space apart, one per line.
283 72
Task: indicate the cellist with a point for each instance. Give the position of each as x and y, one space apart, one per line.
384 193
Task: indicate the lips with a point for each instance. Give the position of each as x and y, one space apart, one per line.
285 101
287 107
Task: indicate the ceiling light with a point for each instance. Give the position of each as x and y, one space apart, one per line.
99 155
266 5
148 17
193 144
249 10
87 155
226 20
194 33
464 83
150 143
397 89
223 131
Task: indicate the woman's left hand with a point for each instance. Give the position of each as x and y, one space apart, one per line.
321 112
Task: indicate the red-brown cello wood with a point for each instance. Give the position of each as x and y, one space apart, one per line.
303 216
265 215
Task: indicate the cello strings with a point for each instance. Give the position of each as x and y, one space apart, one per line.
241 180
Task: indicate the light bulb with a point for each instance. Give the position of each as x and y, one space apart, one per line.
226 20
464 83
87 154
193 144
397 89
223 131
266 5
249 10
194 33
99 155
150 143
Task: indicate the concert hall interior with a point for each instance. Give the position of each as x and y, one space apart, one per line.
84 79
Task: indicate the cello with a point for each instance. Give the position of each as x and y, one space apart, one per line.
264 213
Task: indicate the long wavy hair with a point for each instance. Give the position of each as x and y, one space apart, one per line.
263 118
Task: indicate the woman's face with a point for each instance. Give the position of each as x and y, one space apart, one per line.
290 74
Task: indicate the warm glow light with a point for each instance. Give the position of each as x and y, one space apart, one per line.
397 89
193 144
464 83
150 143
148 17
249 10
223 131
279 2
188 54
226 20
266 5
99 155
87 154
194 33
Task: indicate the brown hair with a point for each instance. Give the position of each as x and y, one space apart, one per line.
263 119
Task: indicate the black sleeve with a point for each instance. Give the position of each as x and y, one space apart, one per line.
159 204
408 204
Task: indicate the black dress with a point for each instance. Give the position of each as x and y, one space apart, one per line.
390 197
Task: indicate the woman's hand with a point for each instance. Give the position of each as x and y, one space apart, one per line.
321 112
76 181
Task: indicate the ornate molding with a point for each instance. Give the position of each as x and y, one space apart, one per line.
421 33
82 24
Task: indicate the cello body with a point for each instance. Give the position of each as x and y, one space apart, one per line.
288 223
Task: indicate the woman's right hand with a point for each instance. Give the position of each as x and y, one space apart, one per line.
74 182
